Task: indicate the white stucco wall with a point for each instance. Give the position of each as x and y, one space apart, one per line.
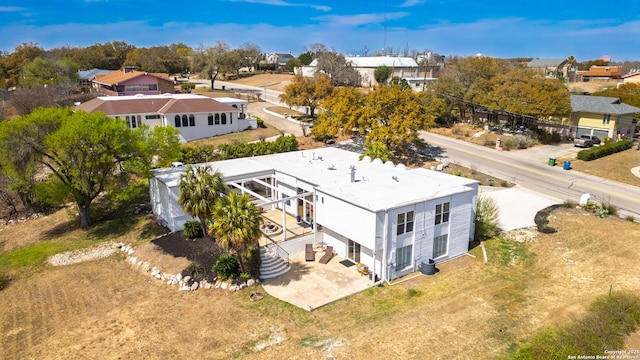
351 221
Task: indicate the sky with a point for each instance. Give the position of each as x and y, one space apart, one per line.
586 29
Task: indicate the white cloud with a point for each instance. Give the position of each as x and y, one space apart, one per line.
11 8
410 3
284 3
359 19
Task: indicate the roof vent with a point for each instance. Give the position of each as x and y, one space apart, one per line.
395 178
331 167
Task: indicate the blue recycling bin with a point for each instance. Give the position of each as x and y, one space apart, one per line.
567 165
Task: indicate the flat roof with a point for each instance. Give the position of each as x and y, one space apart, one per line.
377 186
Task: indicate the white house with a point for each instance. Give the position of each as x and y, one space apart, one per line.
386 216
196 116
402 67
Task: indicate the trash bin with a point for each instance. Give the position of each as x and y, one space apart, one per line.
567 165
552 161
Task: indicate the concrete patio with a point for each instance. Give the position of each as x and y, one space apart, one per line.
310 285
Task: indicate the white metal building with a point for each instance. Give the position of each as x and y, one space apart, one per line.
386 216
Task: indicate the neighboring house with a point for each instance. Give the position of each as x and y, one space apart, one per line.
279 59
402 67
607 73
419 83
602 116
196 116
131 82
632 77
86 76
386 216
553 68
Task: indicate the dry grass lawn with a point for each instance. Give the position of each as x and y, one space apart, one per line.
237 138
275 82
614 167
106 309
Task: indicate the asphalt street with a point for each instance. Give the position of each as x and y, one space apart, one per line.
530 170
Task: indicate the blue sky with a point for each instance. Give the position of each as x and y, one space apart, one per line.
586 29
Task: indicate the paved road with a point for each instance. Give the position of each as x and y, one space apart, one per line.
257 108
528 169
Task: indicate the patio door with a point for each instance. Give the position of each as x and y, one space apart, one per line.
354 251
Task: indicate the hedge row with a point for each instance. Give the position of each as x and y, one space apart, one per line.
604 150
282 144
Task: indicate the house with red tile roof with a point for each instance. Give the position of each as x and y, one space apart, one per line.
131 82
598 72
196 116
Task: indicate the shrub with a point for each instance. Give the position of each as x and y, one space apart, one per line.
569 204
252 261
509 145
521 141
4 280
630 218
199 154
604 150
192 229
226 267
187 87
547 137
282 144
486 220
260 122
195 270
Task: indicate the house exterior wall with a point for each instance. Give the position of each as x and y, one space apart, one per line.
633 79
346 219
165 206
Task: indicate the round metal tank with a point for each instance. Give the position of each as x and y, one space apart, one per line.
428 268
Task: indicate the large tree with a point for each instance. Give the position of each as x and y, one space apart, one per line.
304 91
199 190
389 115
339 70
88 153
382 74
41 72
520 92
236 225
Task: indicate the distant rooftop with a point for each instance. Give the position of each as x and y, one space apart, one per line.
541 63
601 105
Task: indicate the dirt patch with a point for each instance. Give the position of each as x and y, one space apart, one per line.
173 253
271 81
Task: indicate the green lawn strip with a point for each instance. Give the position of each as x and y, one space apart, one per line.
36 254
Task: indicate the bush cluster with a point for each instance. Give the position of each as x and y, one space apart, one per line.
192 230
548 137
282 144
604 150
609 320
226 267
199 154
518 142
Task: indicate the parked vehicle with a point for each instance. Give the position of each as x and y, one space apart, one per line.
586 141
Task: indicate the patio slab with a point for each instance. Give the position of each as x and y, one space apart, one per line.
310 285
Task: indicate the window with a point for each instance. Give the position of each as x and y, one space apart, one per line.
405 223
177 120
224 119
141 87
217 119
133 122
442 213
192 120
185 121
403 257
440 245
606 118
210 119
151 117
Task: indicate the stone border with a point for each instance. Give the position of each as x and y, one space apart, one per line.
185 283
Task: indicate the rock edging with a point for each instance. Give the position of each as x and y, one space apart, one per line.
184 283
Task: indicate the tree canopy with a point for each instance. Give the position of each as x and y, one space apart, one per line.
389 115
88 153
199 190
382 74
304 91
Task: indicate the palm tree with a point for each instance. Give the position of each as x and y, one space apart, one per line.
199 190
236 224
